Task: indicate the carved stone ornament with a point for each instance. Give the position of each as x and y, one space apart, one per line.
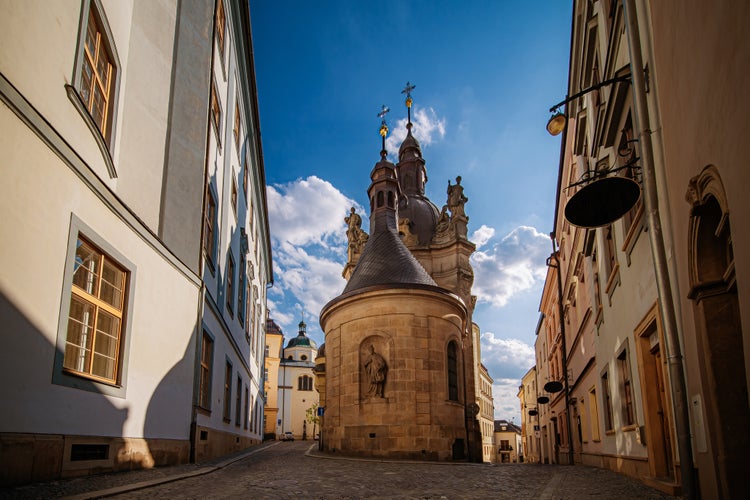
376 370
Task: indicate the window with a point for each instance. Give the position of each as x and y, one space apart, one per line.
245 178
237 126
304 383
204 389
238 402
230 284
220 26
209 226
247 407
594 409
504 445
95 318
234 195
241 293
98 73
452 371
215 111
627 390
607 399
227 391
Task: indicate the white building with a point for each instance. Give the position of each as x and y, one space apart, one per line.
236 256
297 393
105 126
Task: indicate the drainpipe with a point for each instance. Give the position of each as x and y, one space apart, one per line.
661 271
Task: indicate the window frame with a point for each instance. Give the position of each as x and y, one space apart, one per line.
609 417
216 111
238 401
227 403
204 384
625 376
210 222
230 285
452 378
64 377
104 138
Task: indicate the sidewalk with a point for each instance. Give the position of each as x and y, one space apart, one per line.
115 483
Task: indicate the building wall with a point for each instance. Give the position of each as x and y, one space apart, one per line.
486 413
698 53
237 268
274 344
414 419
56 183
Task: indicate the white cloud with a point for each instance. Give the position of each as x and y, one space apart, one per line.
505 399
511 266
426 128
308 211
309 248
482 236
506 357
507 360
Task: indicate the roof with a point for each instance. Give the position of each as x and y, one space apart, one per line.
302 340
385 260
509 426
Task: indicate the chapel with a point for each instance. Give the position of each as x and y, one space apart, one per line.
401 355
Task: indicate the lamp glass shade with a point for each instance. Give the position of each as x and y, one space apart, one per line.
556 124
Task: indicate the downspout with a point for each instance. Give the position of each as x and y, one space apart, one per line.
658 250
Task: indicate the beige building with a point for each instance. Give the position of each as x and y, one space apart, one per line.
530 429
507 442
674 129
401 371
486 413
273 355
296 391
109 102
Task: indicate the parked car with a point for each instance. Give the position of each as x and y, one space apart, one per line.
287 436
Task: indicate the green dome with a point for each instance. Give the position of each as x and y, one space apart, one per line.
302 340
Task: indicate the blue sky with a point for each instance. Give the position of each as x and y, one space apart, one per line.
486 73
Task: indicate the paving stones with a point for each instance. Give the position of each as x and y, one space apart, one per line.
297 470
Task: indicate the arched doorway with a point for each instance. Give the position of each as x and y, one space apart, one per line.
713 290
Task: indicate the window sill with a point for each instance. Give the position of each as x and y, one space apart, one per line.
610 432
75 98
202 410
629 428
612 282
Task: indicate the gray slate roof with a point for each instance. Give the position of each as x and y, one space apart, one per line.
385 260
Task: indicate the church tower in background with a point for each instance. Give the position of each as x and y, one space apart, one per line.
401 356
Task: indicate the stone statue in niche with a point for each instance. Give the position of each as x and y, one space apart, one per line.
376 369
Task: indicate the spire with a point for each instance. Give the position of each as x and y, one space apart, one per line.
383 128
385 260
407 90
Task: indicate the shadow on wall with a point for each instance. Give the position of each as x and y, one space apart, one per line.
168 416
46 430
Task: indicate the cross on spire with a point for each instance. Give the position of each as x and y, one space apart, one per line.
383 127
407 90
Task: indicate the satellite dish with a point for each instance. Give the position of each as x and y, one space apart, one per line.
602 202
553 386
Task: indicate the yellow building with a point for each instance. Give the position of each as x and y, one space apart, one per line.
486 414
274 345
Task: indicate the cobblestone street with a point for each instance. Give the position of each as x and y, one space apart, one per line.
296 470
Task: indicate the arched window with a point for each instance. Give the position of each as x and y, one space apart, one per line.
391 200
304 383
452 371
380 199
